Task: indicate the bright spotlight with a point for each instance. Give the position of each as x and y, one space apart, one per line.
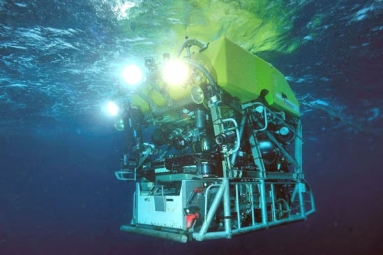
112 109
132 74
175 72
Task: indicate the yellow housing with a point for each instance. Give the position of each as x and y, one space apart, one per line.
238 72
245 76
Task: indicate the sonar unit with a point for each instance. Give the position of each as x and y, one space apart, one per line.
213 143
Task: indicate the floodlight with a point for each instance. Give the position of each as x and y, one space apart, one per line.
175 72
112 108
132 75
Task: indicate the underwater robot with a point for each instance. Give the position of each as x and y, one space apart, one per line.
213 144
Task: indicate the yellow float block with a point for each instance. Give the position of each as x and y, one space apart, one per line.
246 76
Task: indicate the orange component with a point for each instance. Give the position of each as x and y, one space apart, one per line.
190 219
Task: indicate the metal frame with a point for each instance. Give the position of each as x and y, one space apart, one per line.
233 203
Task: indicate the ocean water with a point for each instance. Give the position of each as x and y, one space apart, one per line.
60 62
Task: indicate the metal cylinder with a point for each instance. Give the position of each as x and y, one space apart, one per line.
182 238
200 119
204 168
268 151
224 138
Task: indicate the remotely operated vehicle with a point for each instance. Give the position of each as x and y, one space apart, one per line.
213 143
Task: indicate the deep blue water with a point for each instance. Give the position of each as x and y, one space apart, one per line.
59 196
58 152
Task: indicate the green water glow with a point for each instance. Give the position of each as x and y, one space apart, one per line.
258 26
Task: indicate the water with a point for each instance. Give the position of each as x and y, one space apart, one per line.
60 62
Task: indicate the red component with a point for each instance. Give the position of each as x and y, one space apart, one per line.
198 190
190 219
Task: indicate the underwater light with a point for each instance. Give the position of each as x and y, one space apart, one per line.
132 75
112 109
175 72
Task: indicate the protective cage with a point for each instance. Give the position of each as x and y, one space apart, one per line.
218 155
